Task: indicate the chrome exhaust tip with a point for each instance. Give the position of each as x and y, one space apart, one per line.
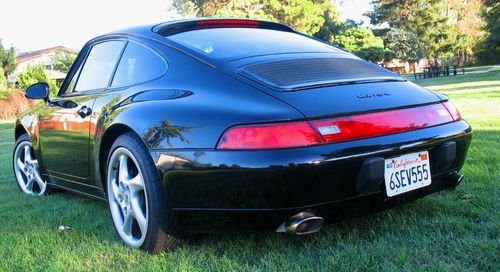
301 224
455 179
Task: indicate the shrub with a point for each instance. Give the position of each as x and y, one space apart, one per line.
4 94
3 80
14 104
36 74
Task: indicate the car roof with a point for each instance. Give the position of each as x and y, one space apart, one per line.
176 26
160 32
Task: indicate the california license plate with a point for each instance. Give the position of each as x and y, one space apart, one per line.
407 172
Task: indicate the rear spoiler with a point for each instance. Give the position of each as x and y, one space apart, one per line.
178 26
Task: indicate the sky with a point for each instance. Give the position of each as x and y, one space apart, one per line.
354 10
34 24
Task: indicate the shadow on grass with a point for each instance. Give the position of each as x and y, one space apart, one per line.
478 159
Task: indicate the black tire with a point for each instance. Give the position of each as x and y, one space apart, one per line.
163 231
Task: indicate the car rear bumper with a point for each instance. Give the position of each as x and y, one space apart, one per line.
228 190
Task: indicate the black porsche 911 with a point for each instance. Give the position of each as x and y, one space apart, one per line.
216 125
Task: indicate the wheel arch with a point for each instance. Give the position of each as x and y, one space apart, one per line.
20 130
109 136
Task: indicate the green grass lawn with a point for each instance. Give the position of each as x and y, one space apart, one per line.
450 231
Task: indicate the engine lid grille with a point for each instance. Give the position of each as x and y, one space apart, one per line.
299 74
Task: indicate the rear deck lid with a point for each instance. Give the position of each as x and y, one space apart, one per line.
322 85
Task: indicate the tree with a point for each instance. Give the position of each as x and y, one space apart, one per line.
62 61
490 51
36 74
332 25
3 80
7 59
313 17
372 53
403 45
467 23
303 15
427 18
354 38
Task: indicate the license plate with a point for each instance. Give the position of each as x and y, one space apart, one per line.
407 172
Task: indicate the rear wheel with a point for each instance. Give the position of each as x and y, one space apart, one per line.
26 169
138 204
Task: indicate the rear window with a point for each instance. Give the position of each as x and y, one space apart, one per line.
222 43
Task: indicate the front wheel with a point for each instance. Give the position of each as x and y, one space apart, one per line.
138 204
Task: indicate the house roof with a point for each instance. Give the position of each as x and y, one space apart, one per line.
25 56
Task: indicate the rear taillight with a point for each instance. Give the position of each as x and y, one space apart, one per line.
228 22
453 111
382 123
279 135
340 129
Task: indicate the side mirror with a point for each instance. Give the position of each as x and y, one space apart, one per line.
38 91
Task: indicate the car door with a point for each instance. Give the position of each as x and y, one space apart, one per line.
65 125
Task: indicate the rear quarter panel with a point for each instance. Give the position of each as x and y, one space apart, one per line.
189 107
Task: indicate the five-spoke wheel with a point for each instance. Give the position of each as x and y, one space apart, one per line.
127 197
26 168
137 200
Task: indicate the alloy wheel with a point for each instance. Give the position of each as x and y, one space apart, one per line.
127 197
27 170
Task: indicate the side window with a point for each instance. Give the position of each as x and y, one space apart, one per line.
138 64
99 66
71 84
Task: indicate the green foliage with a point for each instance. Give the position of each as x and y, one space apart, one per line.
32 75
7 59
427 18
303 15
331 26
447 29
36 74
318 17
354 38
466 35
4 94
490 52
403 45
186 8
62 61
3 80
371 53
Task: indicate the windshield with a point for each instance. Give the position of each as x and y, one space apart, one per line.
222 43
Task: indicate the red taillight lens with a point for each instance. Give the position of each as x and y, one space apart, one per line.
381 123
299 134
228 22
270 136
453 111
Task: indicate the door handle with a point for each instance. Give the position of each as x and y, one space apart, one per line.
84 111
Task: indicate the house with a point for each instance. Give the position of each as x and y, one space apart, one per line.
44 57
397 66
